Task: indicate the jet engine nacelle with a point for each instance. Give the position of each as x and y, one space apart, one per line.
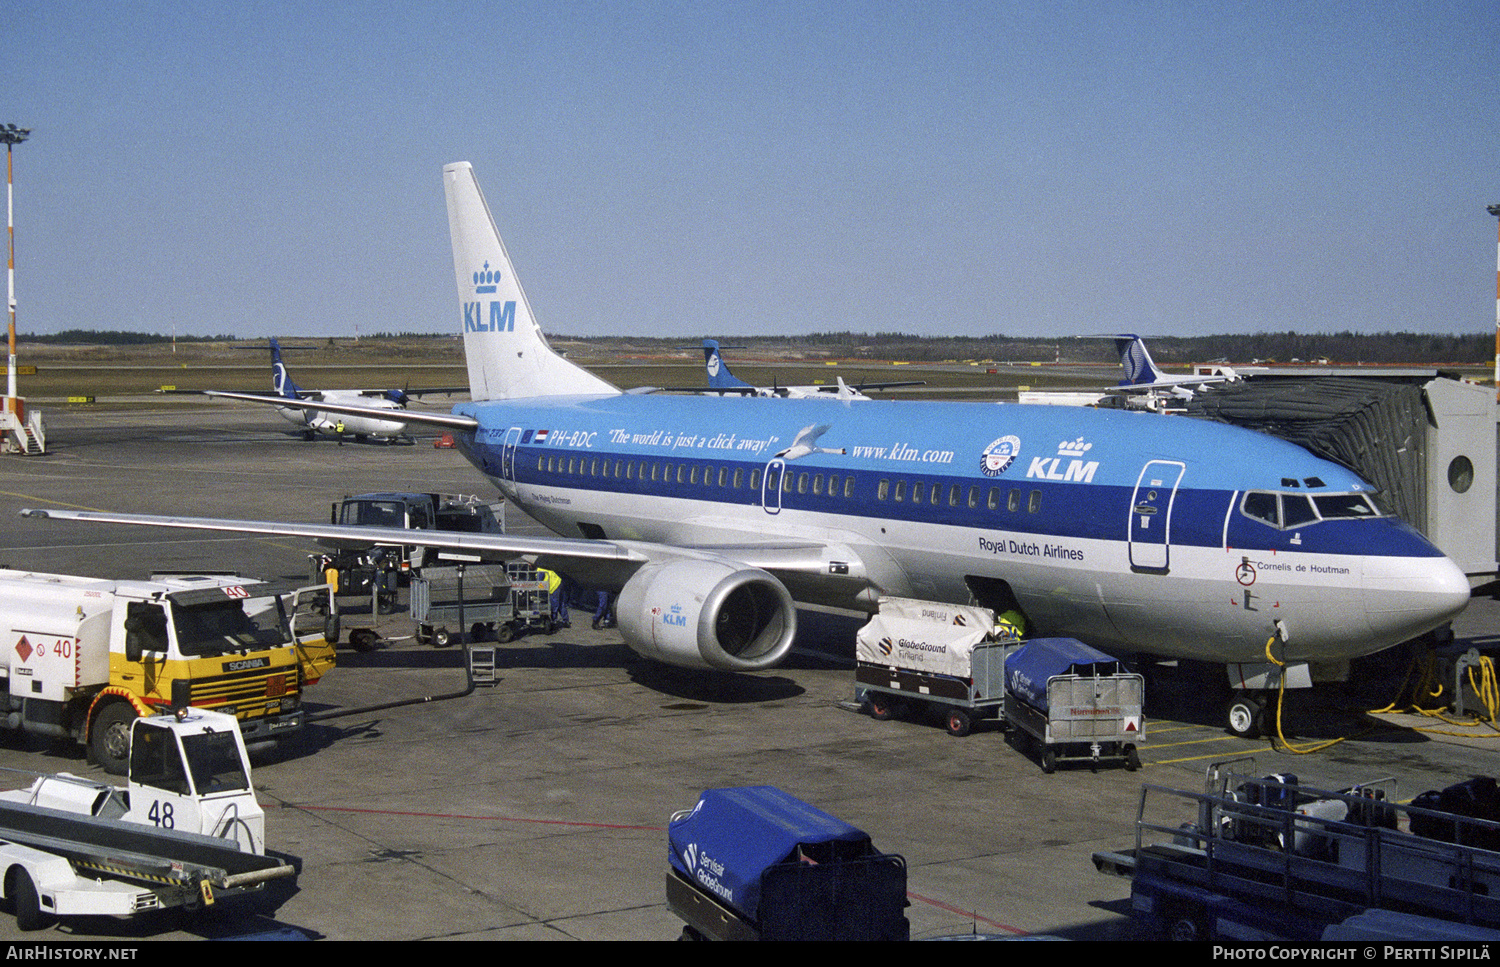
707 614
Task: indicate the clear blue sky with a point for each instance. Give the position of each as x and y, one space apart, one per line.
696 169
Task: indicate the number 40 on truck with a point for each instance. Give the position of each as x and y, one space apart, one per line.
82 657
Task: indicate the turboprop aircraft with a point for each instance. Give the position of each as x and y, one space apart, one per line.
315 422
722 381
712 515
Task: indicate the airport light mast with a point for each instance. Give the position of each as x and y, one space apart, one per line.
1495 210
12 136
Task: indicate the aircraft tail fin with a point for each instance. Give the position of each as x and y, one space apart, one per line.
1136 361
719 376
281 380
507 354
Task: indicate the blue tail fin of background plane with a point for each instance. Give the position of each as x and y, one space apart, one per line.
281 380
719 376
1139 369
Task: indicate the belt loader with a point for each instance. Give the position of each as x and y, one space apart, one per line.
187 832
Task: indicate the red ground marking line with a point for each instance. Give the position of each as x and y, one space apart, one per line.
563 822
965 913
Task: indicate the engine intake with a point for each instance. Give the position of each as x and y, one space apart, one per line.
707 614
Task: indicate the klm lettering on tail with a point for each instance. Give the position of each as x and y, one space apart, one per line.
502 317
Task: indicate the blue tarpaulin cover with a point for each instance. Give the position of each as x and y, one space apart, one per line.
1028 668
732 836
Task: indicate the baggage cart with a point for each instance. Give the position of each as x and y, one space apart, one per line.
753 863
1073 702
485 607
530 602
1270 859
927 655
365 586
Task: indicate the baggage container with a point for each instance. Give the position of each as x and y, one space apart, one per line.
754 863
1074 702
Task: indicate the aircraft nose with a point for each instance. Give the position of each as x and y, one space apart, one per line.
1407 597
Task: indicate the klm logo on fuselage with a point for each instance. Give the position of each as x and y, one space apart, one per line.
501 317
1075 471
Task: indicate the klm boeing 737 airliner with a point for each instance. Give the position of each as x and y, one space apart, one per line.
712 515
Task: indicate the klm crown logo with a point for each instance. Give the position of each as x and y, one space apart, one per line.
500 316
485 279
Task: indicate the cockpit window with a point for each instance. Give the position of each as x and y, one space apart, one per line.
1261 507
1288 511
1296 511
1345 505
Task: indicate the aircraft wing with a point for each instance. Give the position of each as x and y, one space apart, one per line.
420 391
603 561
1176 381
861 387
447 421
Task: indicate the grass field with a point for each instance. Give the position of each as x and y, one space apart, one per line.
136 375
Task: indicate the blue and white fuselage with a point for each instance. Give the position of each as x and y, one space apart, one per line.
1128 530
